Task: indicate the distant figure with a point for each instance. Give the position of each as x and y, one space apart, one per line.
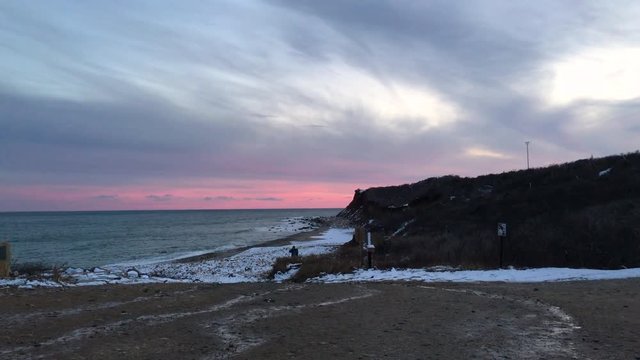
294 251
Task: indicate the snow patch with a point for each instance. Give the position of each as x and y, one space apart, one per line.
502 275
402 227
604 172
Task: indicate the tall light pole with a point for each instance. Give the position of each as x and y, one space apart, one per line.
527 143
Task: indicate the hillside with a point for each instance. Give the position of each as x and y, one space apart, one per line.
580 214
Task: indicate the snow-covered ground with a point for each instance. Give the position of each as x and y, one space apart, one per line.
504 275
253 264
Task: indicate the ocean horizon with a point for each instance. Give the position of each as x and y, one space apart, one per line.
156 210
97 238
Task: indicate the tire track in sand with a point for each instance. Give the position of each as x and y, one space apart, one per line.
545 332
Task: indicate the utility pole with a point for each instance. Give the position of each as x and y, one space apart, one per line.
527 143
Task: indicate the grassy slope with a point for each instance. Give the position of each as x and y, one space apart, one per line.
562 215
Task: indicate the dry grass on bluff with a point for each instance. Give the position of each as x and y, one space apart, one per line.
344 260
598 237
580 214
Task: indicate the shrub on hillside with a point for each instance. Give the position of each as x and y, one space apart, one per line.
570 214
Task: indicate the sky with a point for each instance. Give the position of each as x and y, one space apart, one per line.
108 105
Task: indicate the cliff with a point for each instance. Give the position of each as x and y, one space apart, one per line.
581 214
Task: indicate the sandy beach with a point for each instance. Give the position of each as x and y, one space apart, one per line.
568 320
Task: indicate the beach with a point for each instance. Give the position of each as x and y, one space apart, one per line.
564 320
313 235
88 239
410 314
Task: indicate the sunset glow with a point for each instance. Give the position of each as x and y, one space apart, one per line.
271 104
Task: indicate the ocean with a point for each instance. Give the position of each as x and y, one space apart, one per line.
97 238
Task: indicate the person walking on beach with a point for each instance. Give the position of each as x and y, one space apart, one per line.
294 251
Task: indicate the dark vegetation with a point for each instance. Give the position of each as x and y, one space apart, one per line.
37 271
29 269
344 260
580 214
563 215
570 215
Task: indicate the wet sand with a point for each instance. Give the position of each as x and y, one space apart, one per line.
569 320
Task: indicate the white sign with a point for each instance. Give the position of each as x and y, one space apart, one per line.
502 229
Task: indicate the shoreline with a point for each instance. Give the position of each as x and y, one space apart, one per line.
243 264
325 223
62 240
250 264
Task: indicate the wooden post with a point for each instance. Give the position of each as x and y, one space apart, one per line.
5 259
501 250
360 235
370 249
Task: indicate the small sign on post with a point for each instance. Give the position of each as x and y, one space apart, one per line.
5 259
502 229
502 234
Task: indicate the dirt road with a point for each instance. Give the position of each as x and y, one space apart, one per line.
594 319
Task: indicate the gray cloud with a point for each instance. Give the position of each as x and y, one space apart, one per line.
165 197
268 199
231 198
219 198
106 197
248 91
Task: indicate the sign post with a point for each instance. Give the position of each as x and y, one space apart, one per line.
5 259
370 250
502 234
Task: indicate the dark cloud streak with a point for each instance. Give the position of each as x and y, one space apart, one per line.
160 198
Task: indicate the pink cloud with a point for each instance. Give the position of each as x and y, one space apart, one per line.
213 194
